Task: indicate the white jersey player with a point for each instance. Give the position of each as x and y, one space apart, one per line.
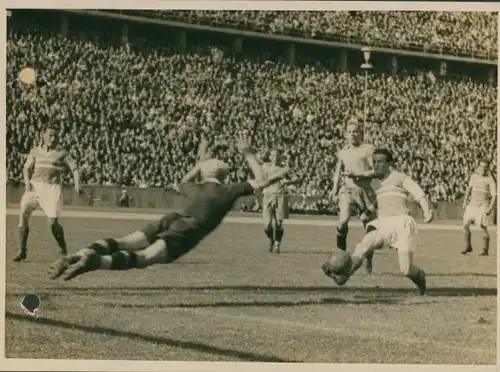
482 192
43 172
394 227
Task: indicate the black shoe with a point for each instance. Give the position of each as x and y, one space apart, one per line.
21 256
467 250
271 247
86 263
59 267
369 264
72 266
484 252
421 283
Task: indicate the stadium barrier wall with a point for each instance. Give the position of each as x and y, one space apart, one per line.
109 196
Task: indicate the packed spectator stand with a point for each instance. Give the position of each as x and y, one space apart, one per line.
456 33
126 112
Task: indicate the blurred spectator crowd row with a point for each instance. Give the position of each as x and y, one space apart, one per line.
462 33
125 114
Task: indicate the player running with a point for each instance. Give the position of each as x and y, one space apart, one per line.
483 195
356 193
393 227
275 201
43 172
174 235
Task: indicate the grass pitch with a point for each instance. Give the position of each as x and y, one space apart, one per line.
230 300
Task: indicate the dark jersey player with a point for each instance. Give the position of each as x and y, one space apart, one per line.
207 203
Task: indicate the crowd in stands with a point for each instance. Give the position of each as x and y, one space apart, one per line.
465 33
126 114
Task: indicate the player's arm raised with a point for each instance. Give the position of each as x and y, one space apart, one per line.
203 153
201 156
73 167
260 182
418 194
192 174
29 164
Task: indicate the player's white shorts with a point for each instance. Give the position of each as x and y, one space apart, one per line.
397 231
274 206
476 215
48 196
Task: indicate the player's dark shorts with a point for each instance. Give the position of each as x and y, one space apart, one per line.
181 234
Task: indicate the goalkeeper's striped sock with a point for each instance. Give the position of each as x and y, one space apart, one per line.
121 260
24 232
269 233
342 238
279 232
58 233
104 247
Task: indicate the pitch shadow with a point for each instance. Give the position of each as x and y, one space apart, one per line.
487 275
14 266
276 304
188 345
326 253
140 290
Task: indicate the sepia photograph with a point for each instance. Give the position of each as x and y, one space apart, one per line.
251 185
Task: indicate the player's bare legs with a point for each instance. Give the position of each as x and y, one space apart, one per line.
267 217
156 243
278 216
412 271
123 253
58 233
366 217
134 241
278 234
486 240
88 259
371 242
345 214
24 231
467 238
91 260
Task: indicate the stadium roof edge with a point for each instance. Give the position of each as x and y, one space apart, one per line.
292 39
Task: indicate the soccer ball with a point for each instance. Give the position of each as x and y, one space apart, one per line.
28 76
340 262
